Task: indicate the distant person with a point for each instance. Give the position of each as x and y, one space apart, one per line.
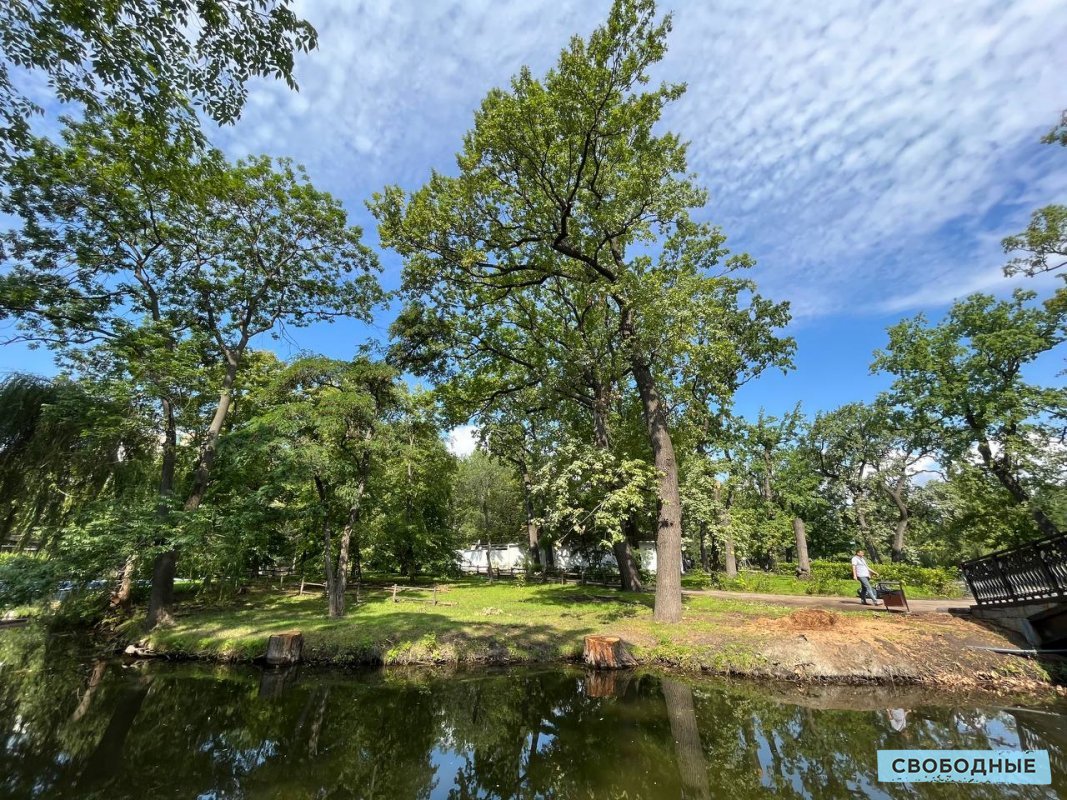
862 573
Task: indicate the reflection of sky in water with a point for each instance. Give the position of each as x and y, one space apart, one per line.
978 729
448 761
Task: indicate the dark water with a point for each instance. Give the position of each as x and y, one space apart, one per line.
71 728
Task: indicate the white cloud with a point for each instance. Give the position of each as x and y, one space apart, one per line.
463 441
860 150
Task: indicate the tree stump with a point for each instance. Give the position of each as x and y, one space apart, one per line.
607 652
285 648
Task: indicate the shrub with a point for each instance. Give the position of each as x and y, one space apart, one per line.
696 579
25 579
939 580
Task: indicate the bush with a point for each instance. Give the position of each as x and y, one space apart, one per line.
696 579
939 580
82 608
25 579
756 582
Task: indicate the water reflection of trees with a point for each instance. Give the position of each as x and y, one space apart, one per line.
70 729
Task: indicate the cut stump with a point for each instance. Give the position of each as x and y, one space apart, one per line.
285 648
607 652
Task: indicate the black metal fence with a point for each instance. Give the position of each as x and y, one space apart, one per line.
1028 573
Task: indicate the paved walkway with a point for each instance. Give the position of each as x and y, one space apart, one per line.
835 603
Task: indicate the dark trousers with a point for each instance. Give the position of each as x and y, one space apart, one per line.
866 590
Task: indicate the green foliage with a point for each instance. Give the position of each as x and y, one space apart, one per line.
940 581
565 256
486 501
965 375
1043 245
157 58
150 262
1058 135
69 450
589 493
26 579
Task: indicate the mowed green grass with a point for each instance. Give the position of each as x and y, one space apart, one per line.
472 622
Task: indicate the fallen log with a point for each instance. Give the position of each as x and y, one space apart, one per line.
607 652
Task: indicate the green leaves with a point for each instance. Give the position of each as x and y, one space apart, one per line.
591 493
965 377
156 60
1043 244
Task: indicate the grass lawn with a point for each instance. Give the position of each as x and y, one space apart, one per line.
473 622
511 623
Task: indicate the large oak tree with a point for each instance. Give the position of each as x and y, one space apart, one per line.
566 179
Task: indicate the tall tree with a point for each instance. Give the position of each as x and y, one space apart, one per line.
965 374
844 449
146 253
486 503
564 179
414 528
330 420
780 477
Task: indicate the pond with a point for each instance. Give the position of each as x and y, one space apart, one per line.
76 728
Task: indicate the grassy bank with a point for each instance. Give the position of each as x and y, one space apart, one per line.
476 623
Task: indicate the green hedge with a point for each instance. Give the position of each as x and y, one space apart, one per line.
941 580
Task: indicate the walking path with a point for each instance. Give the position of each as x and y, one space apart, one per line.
835 603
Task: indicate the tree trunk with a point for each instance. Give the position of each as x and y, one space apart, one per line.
99 668
702 529
357 559
123 597
162 598
607 652
533 531
865 530
689 752
803 562
337 573
211 443
165 565
106 759
731 557
896 494
668 607
629 577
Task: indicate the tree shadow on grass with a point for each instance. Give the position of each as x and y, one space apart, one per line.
374 633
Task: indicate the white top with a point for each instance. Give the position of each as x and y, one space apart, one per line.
898 719
860 565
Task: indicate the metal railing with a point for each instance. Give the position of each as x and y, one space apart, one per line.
1028 573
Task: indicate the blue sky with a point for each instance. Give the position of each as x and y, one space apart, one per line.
870 156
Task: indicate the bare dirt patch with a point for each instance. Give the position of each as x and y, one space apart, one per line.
812 619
